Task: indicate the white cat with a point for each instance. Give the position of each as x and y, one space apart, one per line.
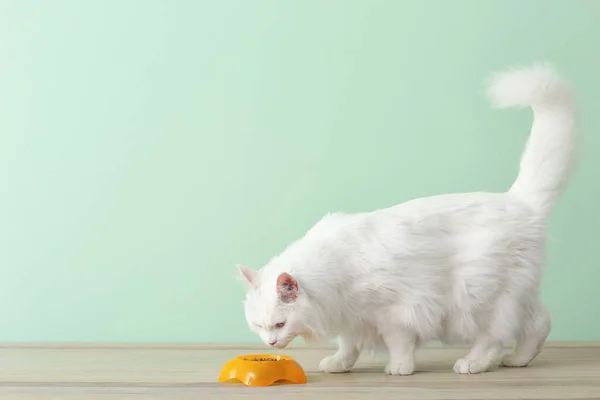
461 268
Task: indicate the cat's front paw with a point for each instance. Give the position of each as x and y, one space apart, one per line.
334 365
400 368
466 366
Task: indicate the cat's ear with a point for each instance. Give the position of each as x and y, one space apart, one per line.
248 274
287 288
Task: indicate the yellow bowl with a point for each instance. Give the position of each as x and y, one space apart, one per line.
262 370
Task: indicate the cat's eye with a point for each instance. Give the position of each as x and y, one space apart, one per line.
280 325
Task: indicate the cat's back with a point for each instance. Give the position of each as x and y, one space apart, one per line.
463 209
431 228
451 227
438 220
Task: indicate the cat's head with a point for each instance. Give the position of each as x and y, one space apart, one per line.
275 307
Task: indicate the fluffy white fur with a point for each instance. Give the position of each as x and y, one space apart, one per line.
461 268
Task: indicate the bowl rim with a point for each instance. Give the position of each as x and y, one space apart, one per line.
247 358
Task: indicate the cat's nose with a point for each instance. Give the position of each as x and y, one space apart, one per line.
273 343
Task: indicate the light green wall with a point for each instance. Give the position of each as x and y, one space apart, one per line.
148 146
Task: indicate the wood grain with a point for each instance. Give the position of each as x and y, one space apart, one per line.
146 371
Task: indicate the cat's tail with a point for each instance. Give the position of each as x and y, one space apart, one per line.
550 151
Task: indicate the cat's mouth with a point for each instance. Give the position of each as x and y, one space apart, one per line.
281 345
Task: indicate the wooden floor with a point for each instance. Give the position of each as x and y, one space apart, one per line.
190 372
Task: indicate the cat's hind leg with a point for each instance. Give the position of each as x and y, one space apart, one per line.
530 340
503 325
